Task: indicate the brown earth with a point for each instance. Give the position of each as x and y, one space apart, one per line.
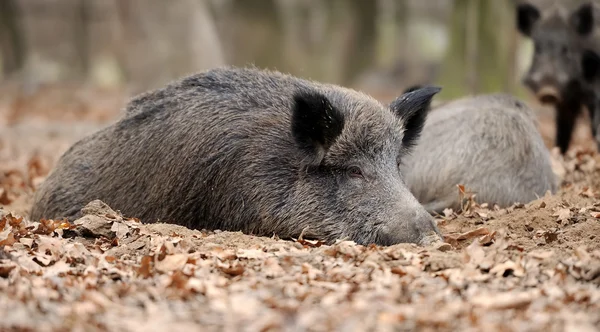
533 266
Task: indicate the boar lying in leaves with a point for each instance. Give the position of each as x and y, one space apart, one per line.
560 32
489 144
261 152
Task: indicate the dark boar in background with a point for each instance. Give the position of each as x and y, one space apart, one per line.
253 151
489 144
590 63
559 33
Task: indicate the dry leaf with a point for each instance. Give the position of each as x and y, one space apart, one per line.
541 254
474 233
7 237
171 263
587 192
474 253
235 269
508 300
145 269
507 268
563 214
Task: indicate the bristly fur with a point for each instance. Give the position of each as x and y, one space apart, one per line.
489 144
228 149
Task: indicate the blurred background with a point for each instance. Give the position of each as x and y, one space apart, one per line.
380 46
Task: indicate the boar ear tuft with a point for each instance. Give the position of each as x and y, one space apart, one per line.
527 15
583 19
590 65
412 107
316 124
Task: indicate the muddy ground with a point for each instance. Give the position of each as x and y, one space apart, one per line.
529 267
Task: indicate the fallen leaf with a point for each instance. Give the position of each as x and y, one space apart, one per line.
58 268
488 238
7 237
587 192
29 265
474 253
541 254
474 233
145 269
171 263
507 268
563 214
233 269
251 253
4 199
507 300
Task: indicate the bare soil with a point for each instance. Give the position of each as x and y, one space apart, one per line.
533 266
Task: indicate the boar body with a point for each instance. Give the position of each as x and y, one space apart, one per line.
489 144
261 152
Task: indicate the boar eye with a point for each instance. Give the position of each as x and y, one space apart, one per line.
354 172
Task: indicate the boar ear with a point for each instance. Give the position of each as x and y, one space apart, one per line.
412 107
316 124
527 15
590 65
583 19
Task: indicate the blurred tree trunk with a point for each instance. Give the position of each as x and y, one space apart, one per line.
479 58
392 33
81 23
257 31
163 41
12 46
360 48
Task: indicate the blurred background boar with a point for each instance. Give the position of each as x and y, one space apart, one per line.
256 151
560 30
488 144
590 64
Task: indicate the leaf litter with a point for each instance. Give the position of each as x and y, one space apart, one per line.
532 266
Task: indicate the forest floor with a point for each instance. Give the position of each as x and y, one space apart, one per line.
528 267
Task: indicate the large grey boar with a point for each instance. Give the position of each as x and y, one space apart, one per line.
489 144
560 31
255 151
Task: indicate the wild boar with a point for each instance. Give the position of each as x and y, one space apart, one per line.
489 144
559 33
256 151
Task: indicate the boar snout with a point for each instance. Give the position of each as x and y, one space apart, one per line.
548 95
545 90
420 229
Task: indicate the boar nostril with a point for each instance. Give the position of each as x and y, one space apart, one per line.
548 95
